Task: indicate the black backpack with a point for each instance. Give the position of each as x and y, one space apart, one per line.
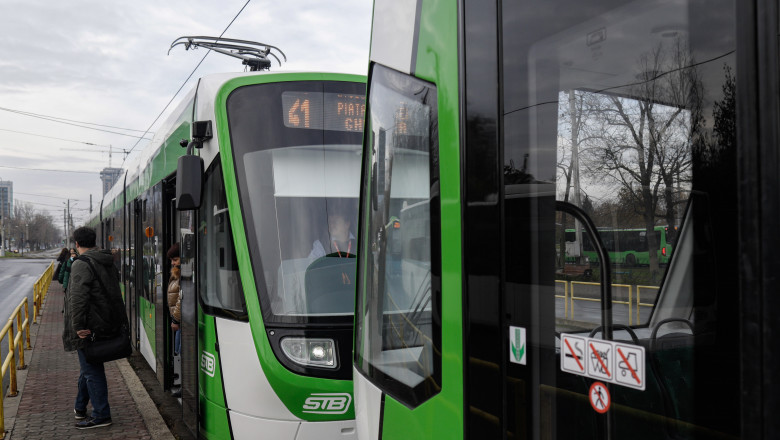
118 316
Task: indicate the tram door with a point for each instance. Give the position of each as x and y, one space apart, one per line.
130 269
181 364
189 315
626 109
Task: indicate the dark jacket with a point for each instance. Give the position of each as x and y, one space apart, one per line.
56 276
65 273
87 306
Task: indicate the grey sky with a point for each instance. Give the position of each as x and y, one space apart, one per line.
106 62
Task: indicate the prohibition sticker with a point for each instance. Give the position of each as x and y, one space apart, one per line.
608 361
630 368
599 397
600 359
573 354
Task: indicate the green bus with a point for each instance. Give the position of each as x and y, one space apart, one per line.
628 247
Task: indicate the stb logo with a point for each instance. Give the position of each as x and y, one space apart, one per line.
327 403
208 363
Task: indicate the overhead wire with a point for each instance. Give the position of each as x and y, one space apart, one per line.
51 197
77 125
185 82
56 138
50 170
38 115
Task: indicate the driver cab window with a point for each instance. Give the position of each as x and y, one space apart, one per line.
220 282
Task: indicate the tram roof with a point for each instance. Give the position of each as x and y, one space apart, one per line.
207 89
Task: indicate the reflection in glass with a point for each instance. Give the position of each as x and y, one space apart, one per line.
629 106
220 282
395 315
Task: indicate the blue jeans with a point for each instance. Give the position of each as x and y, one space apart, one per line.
92 386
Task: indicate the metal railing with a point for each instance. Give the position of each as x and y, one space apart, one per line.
569 297
40 289
16 332
639 302
565 297
585 283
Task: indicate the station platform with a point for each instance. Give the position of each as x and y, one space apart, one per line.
43 409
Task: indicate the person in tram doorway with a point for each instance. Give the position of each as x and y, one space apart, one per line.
91 310
174 305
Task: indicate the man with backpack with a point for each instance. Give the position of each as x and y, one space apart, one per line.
93 309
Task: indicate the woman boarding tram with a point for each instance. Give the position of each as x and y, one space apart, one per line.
266 330
492 124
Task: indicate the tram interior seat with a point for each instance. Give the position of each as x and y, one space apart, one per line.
330 285
672 362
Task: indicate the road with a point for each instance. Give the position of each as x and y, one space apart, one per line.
17 277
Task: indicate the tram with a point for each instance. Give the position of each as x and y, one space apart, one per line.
489 124
266 224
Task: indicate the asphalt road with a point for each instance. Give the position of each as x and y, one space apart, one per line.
17 277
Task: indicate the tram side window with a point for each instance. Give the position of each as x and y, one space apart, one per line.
220 283
398 338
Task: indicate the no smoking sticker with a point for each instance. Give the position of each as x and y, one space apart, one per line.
599 397
573 354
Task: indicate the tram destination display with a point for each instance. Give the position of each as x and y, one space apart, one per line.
323 111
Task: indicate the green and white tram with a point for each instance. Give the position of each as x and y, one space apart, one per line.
267 254
489 124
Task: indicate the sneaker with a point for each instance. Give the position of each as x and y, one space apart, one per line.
81 414
93 423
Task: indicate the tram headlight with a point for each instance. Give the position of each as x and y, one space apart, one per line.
310 352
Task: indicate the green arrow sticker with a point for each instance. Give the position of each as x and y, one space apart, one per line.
517 345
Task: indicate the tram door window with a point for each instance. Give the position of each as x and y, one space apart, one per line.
628 108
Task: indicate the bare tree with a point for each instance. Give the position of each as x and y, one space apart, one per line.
31 228
644 145
574 135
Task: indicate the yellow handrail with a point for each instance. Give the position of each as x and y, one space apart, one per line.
639 302
629 302
40 288
565 297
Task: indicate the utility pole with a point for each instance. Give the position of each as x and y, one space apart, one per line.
65 227
2 235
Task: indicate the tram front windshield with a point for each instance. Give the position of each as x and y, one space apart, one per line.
298 168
